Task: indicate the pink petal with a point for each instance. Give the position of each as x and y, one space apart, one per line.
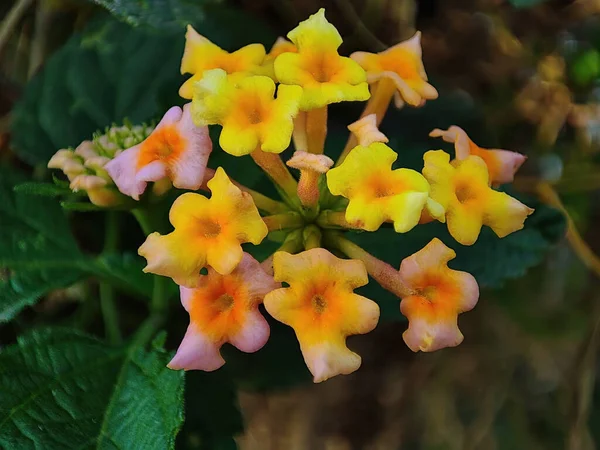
431 336
154 171
253 335
189 169
173 115
122 170
196 352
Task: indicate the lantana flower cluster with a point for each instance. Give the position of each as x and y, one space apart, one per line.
263 102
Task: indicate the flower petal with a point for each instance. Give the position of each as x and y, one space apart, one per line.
196 352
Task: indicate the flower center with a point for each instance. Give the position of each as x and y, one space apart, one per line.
224 302
322 67
464 192
209 228
165 144
429 292
319 303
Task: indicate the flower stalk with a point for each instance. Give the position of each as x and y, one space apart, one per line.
276 170
382 272
316 130
283 221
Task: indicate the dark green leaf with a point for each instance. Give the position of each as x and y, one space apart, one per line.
111 71
210 17
81 206
102 76
279 364
125 271
35 242
218 418
24 288
43 189
60 389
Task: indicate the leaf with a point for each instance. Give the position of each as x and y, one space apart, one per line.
107 73
38 247
112 71
35 242
25 288
212 413
210 17
278 365
491 260
60 389
125 271
43 189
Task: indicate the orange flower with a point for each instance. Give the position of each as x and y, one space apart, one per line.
463 190
201 55
207 232
439 295
320 306
325 76
224 308
502 164
403 67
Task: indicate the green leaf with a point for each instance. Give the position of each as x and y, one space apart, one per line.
212 413
125 271
35 242
491 260
112 71
107 73
43 189
60 389
278 365
210 17
81 206
25 288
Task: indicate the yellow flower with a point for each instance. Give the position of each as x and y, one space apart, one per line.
280 46
250 115
207 232
376 193
320 306
502 164
325 76
462 188
201 55
403 66
224 308
438 295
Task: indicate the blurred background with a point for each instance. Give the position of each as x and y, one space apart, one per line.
517 74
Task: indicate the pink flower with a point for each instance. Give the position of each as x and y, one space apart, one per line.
224 308
176 149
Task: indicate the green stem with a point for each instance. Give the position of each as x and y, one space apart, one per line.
158 305
144 221
311 235
110 315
